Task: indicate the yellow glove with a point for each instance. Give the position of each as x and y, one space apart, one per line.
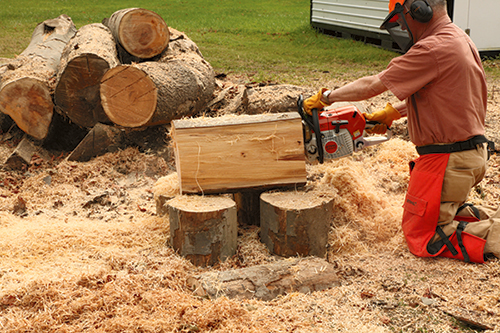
315 102
385 117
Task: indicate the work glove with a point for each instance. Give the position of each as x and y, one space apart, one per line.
315 102
385 117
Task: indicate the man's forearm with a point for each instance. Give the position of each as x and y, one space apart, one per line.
361 89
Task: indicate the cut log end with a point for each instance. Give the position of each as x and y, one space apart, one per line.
143 33
128 96
77 93
29 103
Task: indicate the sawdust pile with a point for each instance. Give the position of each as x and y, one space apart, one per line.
369 190
82 249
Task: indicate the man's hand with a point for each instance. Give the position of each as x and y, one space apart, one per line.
385 117
315 102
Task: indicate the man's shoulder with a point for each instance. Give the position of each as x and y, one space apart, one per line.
445 37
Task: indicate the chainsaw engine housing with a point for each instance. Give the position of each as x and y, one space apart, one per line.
334 134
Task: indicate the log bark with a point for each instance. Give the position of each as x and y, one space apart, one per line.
203 228
101 139
296 222
85 59
274 98
24 90
154 93
233 153
266 282
141 33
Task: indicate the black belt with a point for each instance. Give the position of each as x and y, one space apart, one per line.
452 147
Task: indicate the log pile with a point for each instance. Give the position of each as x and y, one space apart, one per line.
120 73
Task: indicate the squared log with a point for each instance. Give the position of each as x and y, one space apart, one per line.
215 155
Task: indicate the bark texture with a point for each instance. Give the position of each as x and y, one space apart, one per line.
295 222
85 59
266 282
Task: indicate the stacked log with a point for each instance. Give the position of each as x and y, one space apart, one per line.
152 93
85 59
140 33
24 87
86 76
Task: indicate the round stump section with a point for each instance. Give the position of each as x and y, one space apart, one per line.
295 223
203 229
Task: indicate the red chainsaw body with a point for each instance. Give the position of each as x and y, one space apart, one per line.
348 117
334 133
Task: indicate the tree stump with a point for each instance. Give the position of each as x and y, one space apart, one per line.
266 282
85 59
296 222
203 228
140 32
24 89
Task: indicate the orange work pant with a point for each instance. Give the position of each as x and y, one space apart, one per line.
465 170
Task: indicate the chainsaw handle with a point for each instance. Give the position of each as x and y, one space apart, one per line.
364 142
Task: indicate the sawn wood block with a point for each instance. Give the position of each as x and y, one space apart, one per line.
215 155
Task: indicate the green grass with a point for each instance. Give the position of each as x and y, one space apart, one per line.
265 40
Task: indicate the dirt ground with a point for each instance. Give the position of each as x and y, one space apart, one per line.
82 249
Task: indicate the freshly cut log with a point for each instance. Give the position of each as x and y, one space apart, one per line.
25 94
266 282
155 93
24 90
85 59
140 32
296 222
101 139
231 153
203 228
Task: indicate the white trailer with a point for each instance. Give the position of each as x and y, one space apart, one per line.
361 20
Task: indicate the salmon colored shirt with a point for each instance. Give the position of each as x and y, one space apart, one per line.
443 82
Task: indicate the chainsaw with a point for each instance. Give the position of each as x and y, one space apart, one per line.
335 133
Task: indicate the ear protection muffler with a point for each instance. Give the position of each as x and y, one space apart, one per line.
421 11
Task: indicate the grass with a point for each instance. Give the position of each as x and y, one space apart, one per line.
266 40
